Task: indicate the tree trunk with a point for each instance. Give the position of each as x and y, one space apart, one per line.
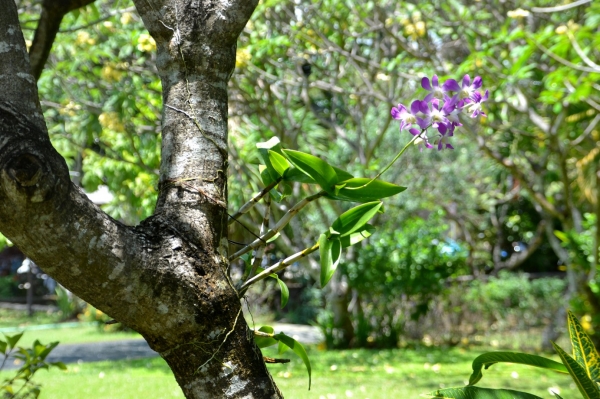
168 277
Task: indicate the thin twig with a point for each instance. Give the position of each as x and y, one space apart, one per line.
253 201
280 225
278 267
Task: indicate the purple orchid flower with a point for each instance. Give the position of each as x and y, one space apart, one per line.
445 132
436 90
407 118
438 112
422 140
473 104
469 89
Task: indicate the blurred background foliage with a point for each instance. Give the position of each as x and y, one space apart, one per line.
518 195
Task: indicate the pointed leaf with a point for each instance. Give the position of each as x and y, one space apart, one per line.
267 179
279 163
557 395
354 238
326 262
355 218
298 350
355 190
264 148
587 387
314 167
282 348
342 175
471 392
3 346
488 359
60 365
13 339
584 350
336 254
295 174
285 292
263 342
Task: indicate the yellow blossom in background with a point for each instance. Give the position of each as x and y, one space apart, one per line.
420 28
126 18
518 13
110 74
573 26
83 37
242 56
111 121
146 43
69 109
586 323
561 30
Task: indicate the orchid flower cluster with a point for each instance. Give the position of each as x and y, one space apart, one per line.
440 109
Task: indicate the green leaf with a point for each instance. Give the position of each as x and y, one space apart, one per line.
279 163
326 261
314 167
60 365
264 150
3 345
263 342
355 218
557 395
375 190
298 350
342 175
13 339
296 175
562 236
470 392
285 292
356 237
488 359
587 387
282 348
584 350
267 179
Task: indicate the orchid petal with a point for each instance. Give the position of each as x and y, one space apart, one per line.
425 83
451 85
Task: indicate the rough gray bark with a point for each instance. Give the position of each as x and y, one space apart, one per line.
166 278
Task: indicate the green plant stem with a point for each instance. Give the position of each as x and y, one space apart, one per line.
277 267
280 225
391 163
253 201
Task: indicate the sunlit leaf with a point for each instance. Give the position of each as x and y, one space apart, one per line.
326 261
263 342
354 238
285 292
355 190
471 392
584 350
314 167
488 359
355 218
298 350
12 340
587 387
279 163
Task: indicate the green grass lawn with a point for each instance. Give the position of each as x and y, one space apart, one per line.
402 373
373 374
17 318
